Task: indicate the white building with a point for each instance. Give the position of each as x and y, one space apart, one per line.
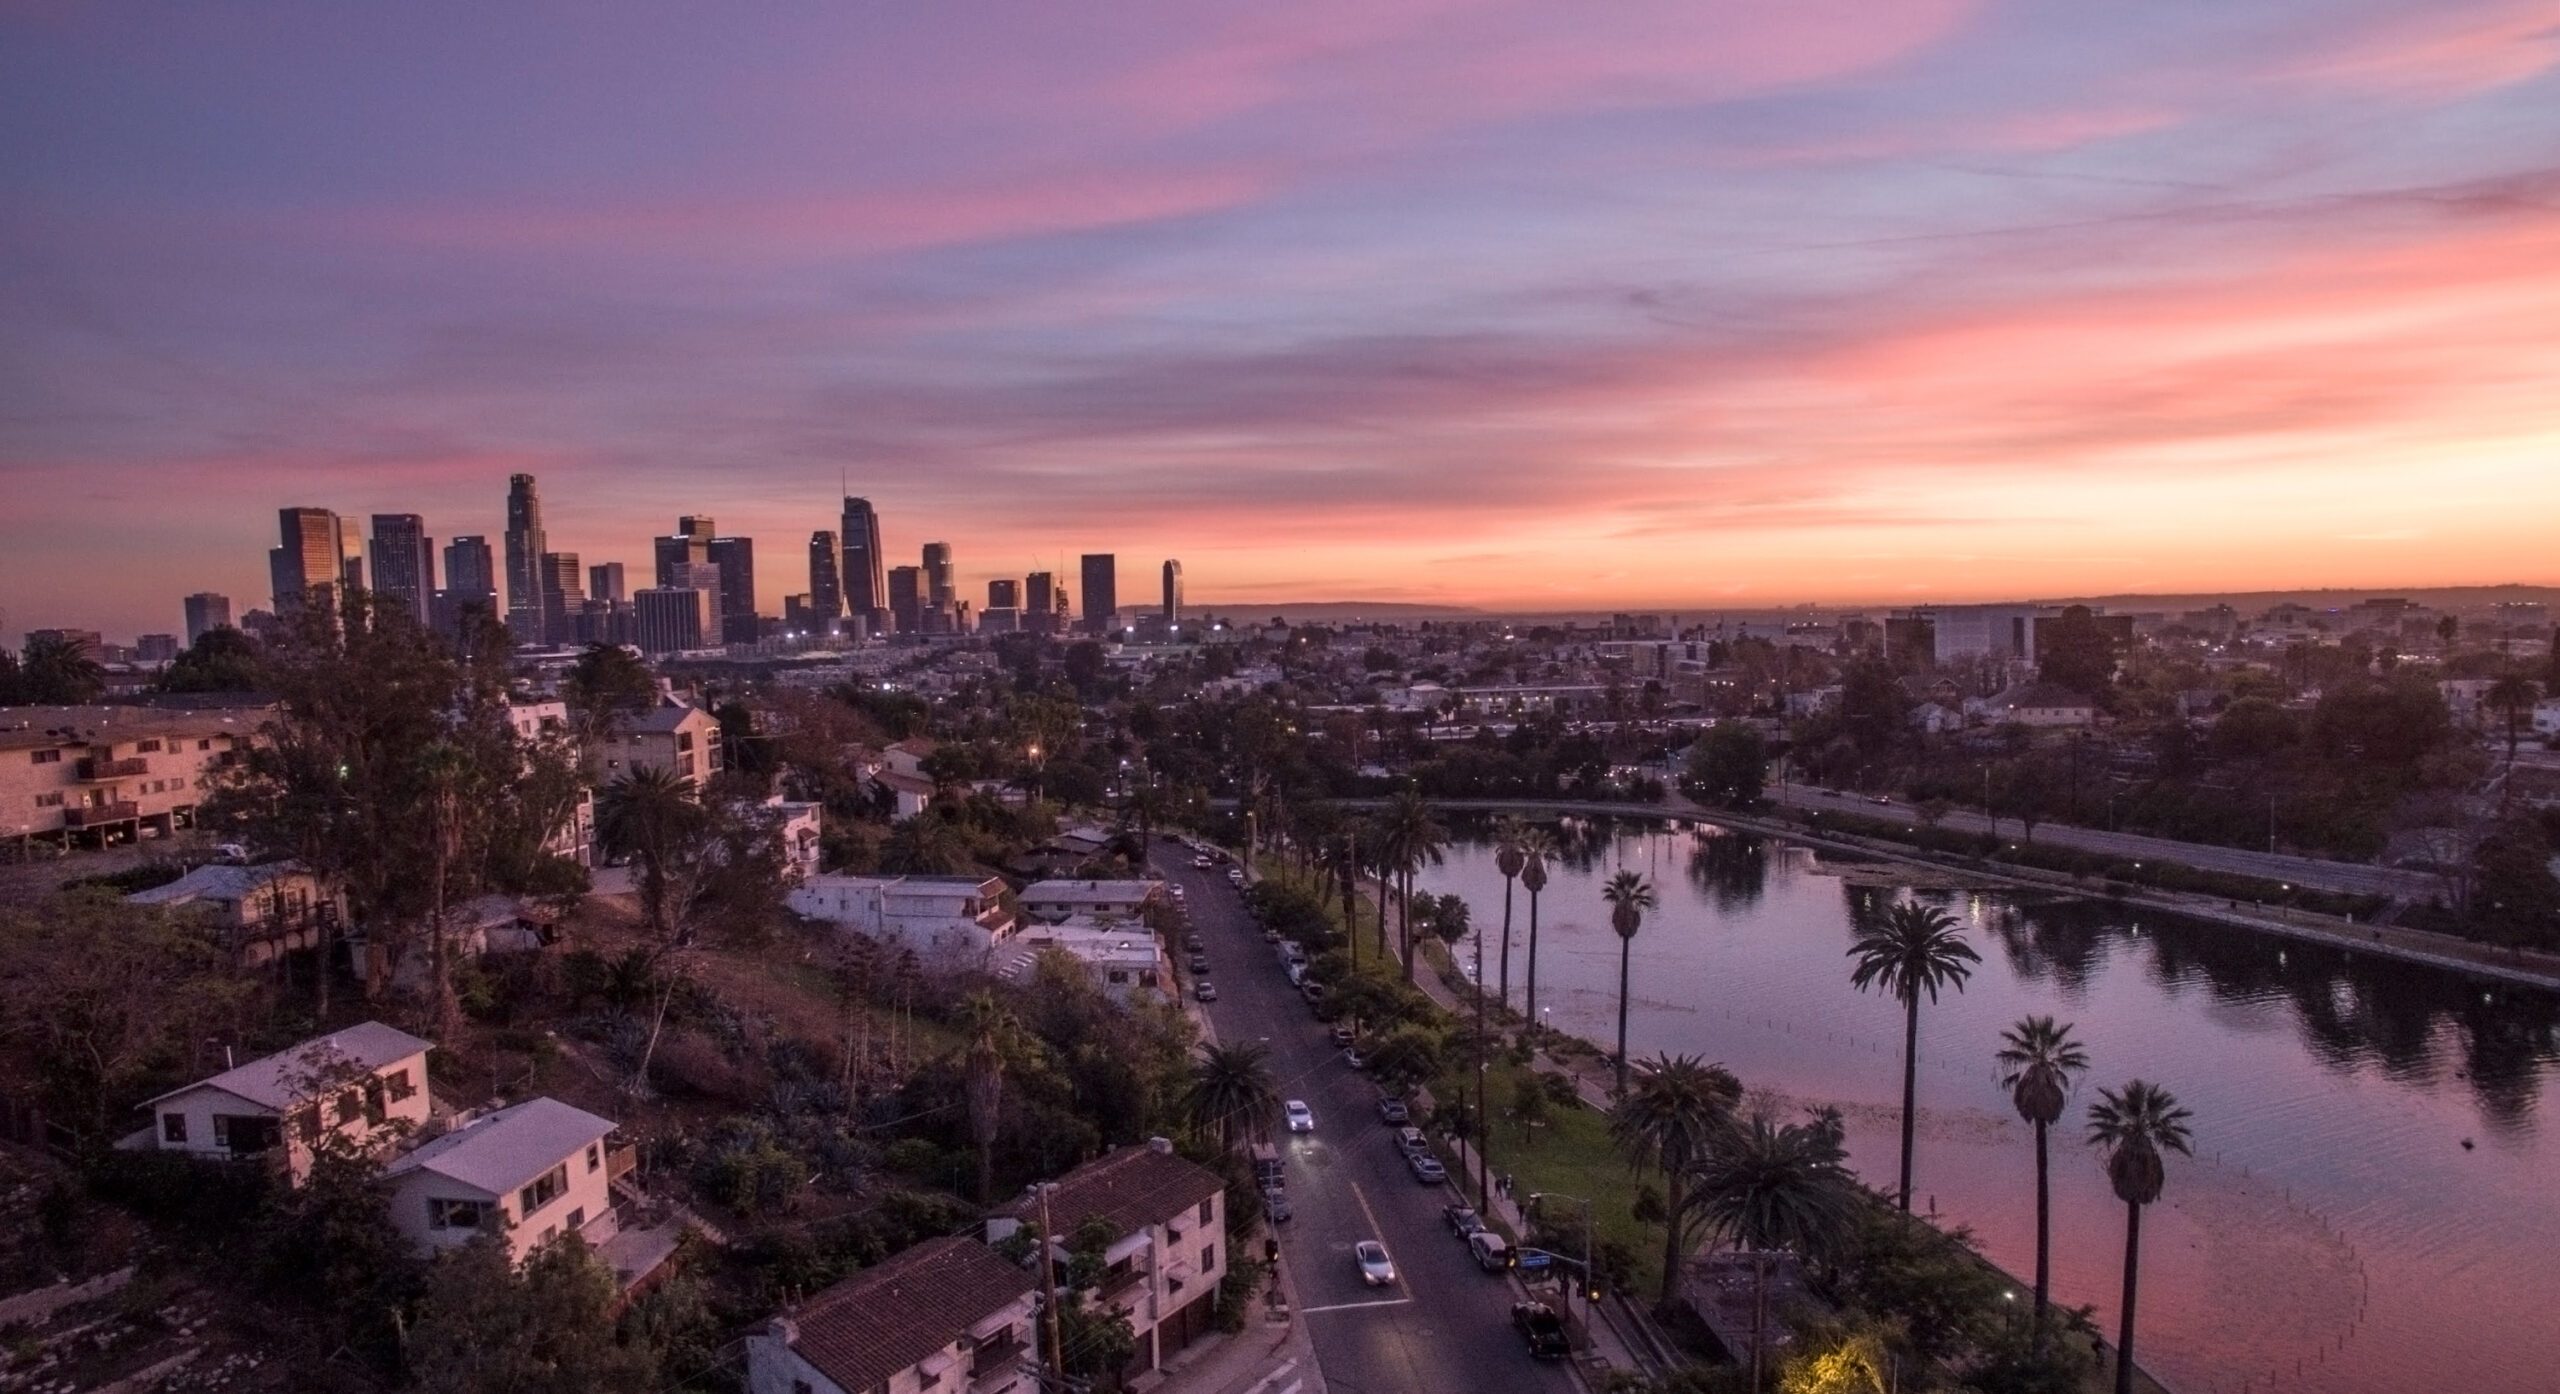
951 921
1125 963
1057 901
265 910
949 1315
533 1170
1163 1268
366 1085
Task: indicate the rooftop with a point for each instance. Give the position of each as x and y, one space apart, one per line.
1115 892
31 728
507 1148
216 881
885 1319
1128 1189
284 1079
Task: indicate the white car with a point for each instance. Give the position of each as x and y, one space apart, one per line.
1376 1269
1235 876
1302 1119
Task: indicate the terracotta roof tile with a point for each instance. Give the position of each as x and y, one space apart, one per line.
1129 1188
884 1319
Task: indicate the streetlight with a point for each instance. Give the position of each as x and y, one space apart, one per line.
1539 1197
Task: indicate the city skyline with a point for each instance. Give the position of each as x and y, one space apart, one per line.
1712 305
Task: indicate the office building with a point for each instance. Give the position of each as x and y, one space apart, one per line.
736 558
1000 619
525 545
906 599
940 591
697 525
563 597
826 586
605 582
678 549
865 581
1101 592
350 557
206 610
1172 592
156 648
670 619
1004 594
470 586
1042 603
404 563
308 567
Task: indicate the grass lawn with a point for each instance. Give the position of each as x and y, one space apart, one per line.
1569 1153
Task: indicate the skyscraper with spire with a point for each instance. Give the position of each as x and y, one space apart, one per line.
865 569
525 546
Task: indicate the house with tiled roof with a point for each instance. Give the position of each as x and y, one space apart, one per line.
1163 1267
365 1086
949 1315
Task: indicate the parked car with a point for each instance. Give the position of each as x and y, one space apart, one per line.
1199 963
1271 934
1426 1168
1275 1205
1392 1110
1376 1269
1409 1141
1202 862
1312 990
1355 1060
1462 1220
1235 876
1885 799
1194 943
1204 991
1491 1251
1342 1036
1539 1325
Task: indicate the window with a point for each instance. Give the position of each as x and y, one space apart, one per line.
578 1218
306 1121
455 1214
1204 1209
53 800
205 744
801 1386
173 1127
149 747
350 1105
1208 1257
595 1155
398 1083
545 1189
375 1098
45 757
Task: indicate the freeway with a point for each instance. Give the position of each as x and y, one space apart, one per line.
1445 1326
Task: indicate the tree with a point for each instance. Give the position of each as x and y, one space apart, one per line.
1446 918
1231 1092
58 670
2514 899
2133 1128
1914 949
1729 765
2513 697
487 1328
1409 838
650 815
1535 847
1629 896
607 684
2038 1061
1669 1120
1769 1189
993 1033
1509 856
2075 651
222 659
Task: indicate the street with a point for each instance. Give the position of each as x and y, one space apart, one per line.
1445 1325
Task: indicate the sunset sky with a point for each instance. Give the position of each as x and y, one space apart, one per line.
1529 305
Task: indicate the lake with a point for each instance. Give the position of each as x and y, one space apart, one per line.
2373 1203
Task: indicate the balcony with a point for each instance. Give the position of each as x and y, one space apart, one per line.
101 814
996 1358
97 769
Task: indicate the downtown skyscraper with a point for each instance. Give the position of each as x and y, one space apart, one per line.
826 581
309 566
1101 592
1172 592
404 563
864 571
525 546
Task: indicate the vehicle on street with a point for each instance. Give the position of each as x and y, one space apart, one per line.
1462 1220
1235 876
1355 1060
1342 1036
1204 991
1266 1165
1409 1141
1376 1269
1539 1325
1885 799
1426 1168
1202 862
1199 963
1392 1110
1491 1251
1275 1205
1271 934
1194 943
1302 1119
1311 990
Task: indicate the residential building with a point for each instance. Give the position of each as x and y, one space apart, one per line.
673 736
365 1086
308 566
795 825
404 563
1124 963
1101 581
263 911
1057 901
2036 704
206 611
529 1172
526 543
1172 592
826 581
949 1315
866 587
950 921
670 619
112 773
1168 1216
538 723
736 559
564 597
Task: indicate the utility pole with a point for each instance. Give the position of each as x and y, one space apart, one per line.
1049 1295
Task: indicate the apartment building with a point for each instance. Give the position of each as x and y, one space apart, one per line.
947 920
948 1315
1162 1268
110 774
673 736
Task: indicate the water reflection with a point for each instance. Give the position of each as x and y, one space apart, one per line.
1731 868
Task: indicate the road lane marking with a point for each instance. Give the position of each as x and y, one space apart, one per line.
1354 1306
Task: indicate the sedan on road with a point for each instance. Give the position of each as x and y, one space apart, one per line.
1302 1119
1376 1269
1427 1169
1461 1219
1410 1141
1204 991
1392 1110
1275 1205
1539 1325
1202 862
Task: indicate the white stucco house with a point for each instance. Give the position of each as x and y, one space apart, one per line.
1126 962
365 1086
1162 1269
533 1171
1057 901
947 920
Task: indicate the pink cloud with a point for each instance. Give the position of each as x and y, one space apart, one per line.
2441 50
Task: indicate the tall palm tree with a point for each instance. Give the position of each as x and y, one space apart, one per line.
1232 1091
2038 1061
1914 949
2513 695
1351 891
1508 858
991 1028
2133 1128
59 670
1772 1189
1674 1114
1409 839
647 813
1535 848
1629 896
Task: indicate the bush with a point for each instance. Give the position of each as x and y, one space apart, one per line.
746 1169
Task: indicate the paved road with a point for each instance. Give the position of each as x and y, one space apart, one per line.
2354 878
1445 1327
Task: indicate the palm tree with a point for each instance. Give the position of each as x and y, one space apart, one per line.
59 670
2038 1060
1231 1091
646 814
2134 1127
1351 891
1535 848
1508 858
1629 896
1770 1189
1409 839
990 1028
1915 949
2513 695
1673 1115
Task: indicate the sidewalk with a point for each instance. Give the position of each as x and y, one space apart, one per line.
1270 1356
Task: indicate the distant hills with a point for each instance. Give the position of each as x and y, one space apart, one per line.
2459 598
